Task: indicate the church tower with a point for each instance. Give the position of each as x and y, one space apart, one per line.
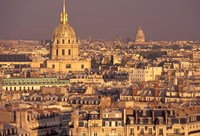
65 43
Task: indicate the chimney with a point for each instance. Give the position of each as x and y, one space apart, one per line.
156 89
134 90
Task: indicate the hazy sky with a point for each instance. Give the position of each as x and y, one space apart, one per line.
160 19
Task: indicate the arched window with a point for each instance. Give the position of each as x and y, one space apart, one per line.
63 41
63 52
69 52
69 41
57 41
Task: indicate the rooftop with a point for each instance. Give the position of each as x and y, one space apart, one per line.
14 58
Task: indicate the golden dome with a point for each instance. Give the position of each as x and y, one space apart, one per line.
64 31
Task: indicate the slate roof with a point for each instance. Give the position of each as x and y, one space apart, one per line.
14 58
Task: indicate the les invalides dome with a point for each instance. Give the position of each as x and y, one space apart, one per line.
65 43
64 50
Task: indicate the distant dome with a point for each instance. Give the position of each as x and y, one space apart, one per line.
64 31
140 38
140 32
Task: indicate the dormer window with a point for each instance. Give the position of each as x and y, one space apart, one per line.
171 113
106 115
92 116
149 120
169 121
119 123
160 120
141 120
144 112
